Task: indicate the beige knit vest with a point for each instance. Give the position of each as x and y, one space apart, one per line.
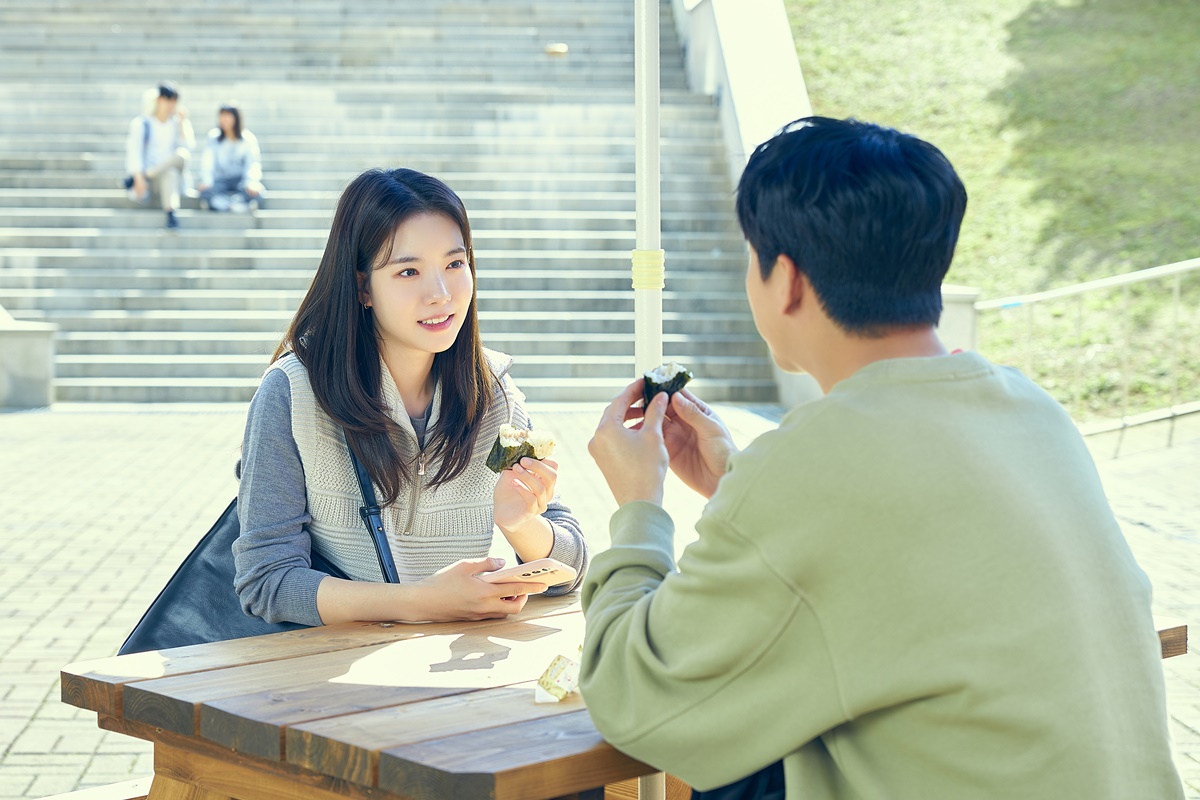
427 529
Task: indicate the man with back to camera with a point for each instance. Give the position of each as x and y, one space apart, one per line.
157 150
914 587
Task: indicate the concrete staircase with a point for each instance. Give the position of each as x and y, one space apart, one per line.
540 148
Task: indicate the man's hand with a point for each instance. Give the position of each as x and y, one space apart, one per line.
698 442
634 460
139 184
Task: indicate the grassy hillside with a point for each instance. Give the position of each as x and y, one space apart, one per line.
1075 129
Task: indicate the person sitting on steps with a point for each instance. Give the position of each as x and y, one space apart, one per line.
157 150
231 168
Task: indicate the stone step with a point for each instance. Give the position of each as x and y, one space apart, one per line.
686 347
677 208
236 259
383 76
485 219
612 366
350 163
270 130
240 390
279 101
723 243
527 300
496 322
361 90
289 148
710 184
540 148
489 278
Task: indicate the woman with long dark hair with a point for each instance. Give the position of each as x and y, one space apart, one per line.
231 169
384 358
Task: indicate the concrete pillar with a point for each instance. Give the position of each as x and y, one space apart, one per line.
958 328
26 363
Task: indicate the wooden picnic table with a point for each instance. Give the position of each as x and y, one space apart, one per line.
361 710
372 711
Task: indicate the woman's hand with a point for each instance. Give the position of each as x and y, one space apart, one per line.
523 493
456 594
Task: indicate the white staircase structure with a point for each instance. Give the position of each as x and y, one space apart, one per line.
540 147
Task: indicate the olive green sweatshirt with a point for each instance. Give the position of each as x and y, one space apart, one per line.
913 588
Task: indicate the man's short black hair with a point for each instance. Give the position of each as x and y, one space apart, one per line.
168 91
869 214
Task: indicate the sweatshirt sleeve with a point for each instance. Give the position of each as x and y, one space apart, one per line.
274 579
723 656
569 545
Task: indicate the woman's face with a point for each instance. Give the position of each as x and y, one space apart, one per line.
421 295
225 120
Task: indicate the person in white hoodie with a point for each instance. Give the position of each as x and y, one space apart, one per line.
231 168
157 150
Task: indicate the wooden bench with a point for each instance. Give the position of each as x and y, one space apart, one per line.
1172 635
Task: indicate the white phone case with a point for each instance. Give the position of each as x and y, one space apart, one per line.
544 570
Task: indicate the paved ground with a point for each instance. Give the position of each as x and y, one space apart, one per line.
99 504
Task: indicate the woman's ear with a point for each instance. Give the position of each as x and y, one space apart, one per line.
364 292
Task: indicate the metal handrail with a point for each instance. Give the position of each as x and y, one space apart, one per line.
1090 286
1028 302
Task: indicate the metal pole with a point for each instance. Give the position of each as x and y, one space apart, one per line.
648 257
649 276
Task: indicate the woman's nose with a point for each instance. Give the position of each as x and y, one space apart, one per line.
437 291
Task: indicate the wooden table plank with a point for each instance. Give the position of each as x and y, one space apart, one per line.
97 685
415 670
348 746
535 760
174 703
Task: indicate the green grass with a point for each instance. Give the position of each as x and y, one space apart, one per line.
1076 129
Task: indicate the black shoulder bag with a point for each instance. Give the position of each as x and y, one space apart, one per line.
199 605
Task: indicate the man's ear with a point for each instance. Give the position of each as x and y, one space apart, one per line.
793 283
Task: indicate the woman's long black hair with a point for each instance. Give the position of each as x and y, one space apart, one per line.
237 122
336 340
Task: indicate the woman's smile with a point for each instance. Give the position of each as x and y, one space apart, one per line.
437 323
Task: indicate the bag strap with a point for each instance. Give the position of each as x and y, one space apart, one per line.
372 518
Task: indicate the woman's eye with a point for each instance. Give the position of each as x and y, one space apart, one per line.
458 264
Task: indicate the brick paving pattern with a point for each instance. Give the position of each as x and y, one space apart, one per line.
100 503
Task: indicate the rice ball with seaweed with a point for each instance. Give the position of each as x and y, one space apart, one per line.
512 444
669 378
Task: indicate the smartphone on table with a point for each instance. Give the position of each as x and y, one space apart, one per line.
548 571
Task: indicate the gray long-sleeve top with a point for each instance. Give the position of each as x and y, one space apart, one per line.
274 578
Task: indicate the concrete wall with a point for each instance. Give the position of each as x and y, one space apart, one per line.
741 52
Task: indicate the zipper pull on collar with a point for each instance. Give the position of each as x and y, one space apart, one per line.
421 464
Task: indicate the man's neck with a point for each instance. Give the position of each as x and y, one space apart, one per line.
161 116
843 355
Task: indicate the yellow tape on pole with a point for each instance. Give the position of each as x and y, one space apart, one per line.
649 269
